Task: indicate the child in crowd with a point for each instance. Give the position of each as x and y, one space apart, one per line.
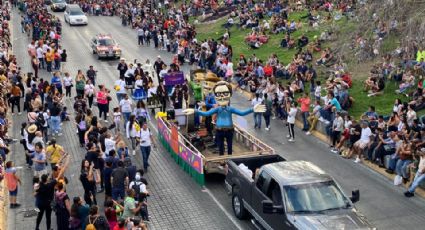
64 114
117 119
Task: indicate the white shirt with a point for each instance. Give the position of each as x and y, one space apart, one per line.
139 84
125 105
317 91
52 34
109 145
39 52
67 81
151 91
89 89
365 134
129 72
141 184
291 115
256 101
145 137
130 131
45 48
121 83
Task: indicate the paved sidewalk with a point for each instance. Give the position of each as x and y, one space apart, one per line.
177 202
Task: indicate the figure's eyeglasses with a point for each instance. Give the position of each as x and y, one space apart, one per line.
222 94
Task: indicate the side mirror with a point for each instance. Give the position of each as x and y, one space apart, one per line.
269 208
355 196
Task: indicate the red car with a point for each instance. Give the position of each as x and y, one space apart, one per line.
105 46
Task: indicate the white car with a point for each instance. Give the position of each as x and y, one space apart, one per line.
74 15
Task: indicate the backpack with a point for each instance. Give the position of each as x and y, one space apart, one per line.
91 226
40 121
139 196
269 105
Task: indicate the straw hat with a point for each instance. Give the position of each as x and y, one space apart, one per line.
32 128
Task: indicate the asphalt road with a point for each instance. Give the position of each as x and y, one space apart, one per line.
382 203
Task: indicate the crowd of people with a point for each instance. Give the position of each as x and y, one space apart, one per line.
107 166
395 141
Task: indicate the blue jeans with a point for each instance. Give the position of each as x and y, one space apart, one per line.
305 121
401 168
120 96
257 120
146 151
126 117
49 66
419 177
118 193
393 162
55 122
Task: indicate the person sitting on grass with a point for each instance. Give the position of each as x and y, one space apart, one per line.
302 41
370 113
325 57
254 44
407 82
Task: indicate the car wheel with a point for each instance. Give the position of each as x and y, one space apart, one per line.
238 208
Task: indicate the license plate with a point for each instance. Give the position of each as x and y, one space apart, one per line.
79 20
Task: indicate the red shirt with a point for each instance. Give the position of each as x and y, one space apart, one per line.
305 104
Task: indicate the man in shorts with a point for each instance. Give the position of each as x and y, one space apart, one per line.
362 143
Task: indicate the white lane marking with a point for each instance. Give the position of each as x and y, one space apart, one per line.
230 216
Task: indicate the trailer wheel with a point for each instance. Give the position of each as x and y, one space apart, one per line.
238 208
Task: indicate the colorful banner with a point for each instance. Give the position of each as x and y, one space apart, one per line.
174 139
174 78
191 157
163 130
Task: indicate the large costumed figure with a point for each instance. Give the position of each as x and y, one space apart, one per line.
224 124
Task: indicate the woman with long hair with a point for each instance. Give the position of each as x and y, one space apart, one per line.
87 179
141 113
102 102
62 207
80 83
89 92
132 129
79 213
80 122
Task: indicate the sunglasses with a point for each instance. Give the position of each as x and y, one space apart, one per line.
222 94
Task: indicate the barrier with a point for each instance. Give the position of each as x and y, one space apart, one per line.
180 149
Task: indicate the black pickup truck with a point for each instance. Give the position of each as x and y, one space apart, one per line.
281 194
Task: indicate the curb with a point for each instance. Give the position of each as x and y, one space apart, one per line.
323 137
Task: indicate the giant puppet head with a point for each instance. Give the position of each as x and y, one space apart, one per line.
208 82
222 92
